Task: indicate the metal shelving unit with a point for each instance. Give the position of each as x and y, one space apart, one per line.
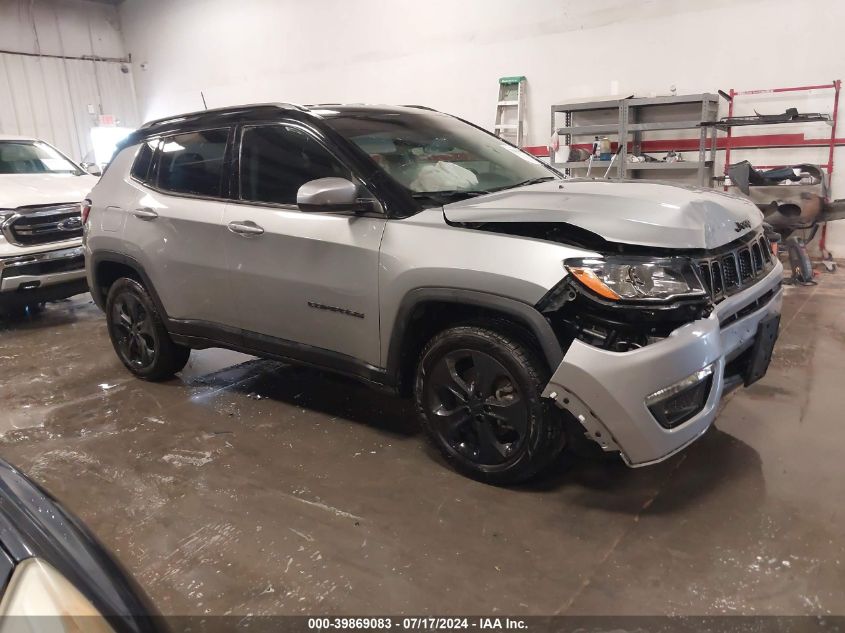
628 119
685 165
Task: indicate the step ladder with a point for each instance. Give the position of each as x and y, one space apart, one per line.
510 109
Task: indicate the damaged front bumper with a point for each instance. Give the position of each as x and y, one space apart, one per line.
609 392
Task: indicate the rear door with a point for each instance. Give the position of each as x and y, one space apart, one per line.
300 277
174 224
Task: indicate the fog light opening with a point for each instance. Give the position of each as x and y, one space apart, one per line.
674 405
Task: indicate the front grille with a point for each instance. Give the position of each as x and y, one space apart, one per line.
42 225
746 272
716 274
757 255
730 272
736 267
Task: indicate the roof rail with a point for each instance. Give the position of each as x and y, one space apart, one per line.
224 110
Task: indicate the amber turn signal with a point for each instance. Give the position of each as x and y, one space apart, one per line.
587 277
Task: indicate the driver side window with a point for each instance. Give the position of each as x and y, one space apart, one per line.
276 160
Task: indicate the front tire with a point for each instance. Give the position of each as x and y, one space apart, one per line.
477 393
138 334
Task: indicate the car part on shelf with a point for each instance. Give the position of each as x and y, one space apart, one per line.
743 175
791 115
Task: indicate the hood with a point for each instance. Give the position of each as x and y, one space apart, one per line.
637 213
23 190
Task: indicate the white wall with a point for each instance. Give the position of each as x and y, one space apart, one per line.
61 27
449 54
52 97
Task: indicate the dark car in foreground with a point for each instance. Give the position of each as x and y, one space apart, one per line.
54 572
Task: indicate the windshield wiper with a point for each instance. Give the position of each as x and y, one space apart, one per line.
438 196
530 181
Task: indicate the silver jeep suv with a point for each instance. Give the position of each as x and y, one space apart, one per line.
417 252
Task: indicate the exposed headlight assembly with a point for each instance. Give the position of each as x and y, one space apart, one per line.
618 278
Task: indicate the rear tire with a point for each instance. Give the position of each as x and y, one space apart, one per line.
138 334
22 312
477 393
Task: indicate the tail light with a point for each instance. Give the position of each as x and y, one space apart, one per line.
85 209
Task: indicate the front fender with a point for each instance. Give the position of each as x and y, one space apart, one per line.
516 311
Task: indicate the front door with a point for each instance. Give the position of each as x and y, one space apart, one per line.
304 279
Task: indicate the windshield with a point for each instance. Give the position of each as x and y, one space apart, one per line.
33 157
436 157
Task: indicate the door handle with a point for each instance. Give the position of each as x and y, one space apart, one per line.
245 227
145 213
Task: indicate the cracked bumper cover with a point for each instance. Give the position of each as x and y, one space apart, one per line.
606 391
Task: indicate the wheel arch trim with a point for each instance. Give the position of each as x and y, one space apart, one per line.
522 313
111 257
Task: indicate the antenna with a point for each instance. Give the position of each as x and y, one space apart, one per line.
204 104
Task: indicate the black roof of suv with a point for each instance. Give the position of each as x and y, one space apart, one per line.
256 112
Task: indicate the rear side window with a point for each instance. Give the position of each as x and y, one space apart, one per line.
276 160
193 163
143 160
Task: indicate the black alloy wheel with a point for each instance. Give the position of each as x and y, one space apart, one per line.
475 407
135 337
138 334
477 393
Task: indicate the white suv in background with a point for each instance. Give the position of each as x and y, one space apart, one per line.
40 223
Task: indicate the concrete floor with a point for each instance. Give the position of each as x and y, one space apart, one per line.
250 487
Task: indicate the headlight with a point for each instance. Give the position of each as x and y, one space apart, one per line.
37 591
637 278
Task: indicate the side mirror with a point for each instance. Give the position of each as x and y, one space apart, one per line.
329 194
92 168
